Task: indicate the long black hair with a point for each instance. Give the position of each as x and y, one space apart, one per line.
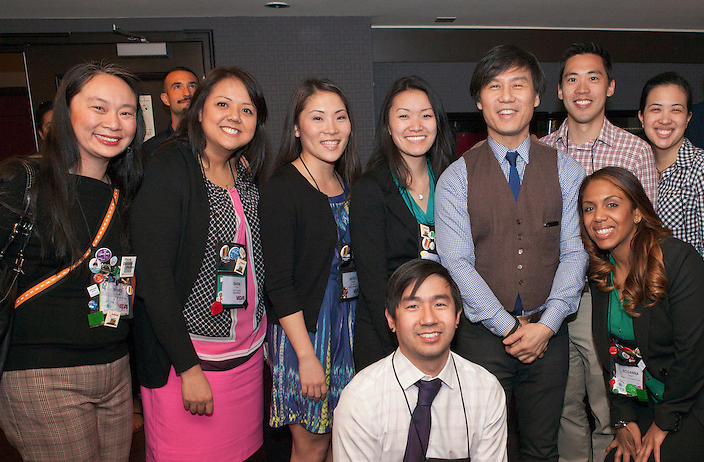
348 165
441 153
60 156
191 130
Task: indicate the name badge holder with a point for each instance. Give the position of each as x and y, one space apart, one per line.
112 291
627 369
230 278
428 250
347 272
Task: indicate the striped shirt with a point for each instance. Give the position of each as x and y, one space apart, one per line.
614 147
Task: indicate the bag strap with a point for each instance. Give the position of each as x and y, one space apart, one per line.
25 222
50 281
24 227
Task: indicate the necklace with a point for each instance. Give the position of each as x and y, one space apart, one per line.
337 176
232 173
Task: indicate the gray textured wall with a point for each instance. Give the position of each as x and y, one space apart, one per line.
279 52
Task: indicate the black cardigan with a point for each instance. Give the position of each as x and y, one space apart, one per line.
299 234
670 336
385 235
169 226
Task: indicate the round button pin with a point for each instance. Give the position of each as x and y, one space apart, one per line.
103 254
94 265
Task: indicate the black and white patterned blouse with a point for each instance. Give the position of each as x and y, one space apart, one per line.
223 227
681 196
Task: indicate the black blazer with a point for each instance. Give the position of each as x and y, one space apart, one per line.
169 227
670 336
385 235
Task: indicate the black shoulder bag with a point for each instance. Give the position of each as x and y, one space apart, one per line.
10 270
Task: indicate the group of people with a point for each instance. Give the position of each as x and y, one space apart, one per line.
354 287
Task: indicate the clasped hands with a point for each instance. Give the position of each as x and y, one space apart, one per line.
529 342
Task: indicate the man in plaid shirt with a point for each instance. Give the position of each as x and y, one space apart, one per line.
585 84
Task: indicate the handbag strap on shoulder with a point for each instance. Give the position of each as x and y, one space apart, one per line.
25 223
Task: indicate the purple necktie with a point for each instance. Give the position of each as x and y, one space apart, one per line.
419 430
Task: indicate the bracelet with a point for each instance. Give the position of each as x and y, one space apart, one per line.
514 328
621 424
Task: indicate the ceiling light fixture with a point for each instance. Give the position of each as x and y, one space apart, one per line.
446 19
277 5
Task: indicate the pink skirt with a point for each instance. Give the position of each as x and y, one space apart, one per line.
232 433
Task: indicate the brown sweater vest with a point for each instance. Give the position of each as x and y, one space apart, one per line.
516 253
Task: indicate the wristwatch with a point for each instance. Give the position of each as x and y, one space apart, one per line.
621 424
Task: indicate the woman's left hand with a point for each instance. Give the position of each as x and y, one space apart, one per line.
651 443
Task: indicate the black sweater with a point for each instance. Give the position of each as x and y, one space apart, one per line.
299 234
169 226
51 329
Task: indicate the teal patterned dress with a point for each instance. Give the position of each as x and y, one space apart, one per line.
332 344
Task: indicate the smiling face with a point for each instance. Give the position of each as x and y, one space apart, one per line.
665 117
584 88
228 118
104 119
323 128
425 323
412 123
610 218
507 103
179 87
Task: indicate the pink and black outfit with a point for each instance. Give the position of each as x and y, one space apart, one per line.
179 222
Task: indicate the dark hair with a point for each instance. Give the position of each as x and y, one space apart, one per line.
503 58
646 278
666 78
441 153
42 109
347 165
191 130
415 272
60 155
175 69
587 49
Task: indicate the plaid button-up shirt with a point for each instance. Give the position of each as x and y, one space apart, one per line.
681 196
614 147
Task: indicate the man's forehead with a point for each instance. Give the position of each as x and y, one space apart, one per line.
515 73
180 76
440 287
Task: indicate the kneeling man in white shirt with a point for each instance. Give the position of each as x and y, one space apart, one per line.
395 410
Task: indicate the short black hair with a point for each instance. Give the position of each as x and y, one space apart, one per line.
415 272
43 108
587 49
500 59
174 69
666 78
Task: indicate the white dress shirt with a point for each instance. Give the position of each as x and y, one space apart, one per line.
374 413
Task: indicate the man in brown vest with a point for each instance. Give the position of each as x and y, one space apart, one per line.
507 229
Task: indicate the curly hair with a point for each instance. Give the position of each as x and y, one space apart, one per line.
646 278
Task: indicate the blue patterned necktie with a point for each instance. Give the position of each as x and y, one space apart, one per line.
513 180
419 430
